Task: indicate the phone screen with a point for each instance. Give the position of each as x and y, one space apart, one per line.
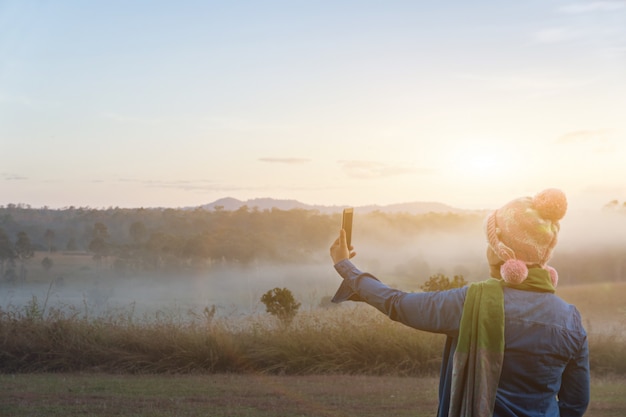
346 224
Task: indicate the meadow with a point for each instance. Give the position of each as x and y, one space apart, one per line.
352 339
67 359
42 332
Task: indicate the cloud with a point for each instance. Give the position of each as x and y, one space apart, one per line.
372 169
192 185
604 32
120 118
585 136
28 101
13 177
617 190
204 187
594 6
185 185
285 160
598 141
534 84
555 35
598 195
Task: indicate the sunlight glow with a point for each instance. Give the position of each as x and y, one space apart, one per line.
256 101
482 162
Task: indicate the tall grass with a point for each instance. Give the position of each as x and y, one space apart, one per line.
336 340
340 340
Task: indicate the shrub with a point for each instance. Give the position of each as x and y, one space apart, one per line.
440 282
281 303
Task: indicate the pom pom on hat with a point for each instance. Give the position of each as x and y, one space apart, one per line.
551 204
514 271
554 276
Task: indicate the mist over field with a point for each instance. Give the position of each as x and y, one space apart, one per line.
589 242
232 290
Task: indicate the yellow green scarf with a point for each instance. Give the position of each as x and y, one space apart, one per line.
479 354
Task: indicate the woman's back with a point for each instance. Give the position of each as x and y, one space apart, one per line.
545 357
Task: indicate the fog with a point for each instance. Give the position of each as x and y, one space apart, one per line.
236 290
232 290
402 261
586 230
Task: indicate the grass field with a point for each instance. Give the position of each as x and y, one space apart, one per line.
118 364
221 395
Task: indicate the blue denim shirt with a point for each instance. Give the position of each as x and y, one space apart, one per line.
546 358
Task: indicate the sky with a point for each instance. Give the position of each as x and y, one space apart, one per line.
180 103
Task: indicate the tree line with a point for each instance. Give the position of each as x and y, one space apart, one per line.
164 239
175 240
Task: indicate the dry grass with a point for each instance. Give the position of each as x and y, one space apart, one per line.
603 306
355 340
342 361
351 339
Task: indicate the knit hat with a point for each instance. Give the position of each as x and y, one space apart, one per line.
523 233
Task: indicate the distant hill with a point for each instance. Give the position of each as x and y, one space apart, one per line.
231 204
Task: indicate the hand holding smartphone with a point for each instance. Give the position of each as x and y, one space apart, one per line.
346 224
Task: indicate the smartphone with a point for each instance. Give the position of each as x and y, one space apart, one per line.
346 224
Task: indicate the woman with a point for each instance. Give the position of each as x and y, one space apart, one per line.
514 348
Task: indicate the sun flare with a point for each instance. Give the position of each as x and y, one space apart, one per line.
483 162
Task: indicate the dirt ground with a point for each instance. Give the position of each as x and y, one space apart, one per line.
71 395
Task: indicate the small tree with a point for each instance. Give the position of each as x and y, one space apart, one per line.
281 303
138 232
24 251
49 235
440 282
99 245
46 264
71 244
7 251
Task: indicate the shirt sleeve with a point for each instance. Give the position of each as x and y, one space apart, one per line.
437 312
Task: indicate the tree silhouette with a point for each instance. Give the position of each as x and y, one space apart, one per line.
440 282
281 303
71 244
49 237
7 251
99 245
137 231
46 264
24 251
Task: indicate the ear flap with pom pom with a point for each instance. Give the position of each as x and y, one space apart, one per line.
514 271
554 276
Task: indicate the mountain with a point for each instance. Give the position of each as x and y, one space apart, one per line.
231 204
